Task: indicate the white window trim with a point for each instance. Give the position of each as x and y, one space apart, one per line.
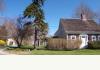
72 37
86 36
99 37
67 37
93 37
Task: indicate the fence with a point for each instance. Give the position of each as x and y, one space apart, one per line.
63 44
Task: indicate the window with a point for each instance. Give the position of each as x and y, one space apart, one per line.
73 37
93 38
99 37
83 36
11 43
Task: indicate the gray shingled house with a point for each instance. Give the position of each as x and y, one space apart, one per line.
84 29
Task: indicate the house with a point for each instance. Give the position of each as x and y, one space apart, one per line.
11 42
83 29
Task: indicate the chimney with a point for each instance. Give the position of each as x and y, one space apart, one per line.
83 17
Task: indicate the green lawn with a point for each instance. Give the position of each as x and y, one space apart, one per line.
25 50
73 52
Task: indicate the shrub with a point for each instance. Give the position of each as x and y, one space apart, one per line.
63 44
2 43
94 45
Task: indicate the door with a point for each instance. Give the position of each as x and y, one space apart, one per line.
84 39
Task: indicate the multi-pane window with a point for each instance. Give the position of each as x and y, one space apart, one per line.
93 38
99 37
73 37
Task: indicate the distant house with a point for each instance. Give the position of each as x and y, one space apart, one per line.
84 29
11 42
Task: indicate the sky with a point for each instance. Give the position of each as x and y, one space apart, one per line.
54 10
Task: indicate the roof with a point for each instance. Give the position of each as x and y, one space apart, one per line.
78 25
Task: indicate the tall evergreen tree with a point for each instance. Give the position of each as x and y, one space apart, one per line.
35 12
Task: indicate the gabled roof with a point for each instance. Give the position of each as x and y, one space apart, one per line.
78 25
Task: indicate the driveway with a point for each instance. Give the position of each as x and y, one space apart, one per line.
3 52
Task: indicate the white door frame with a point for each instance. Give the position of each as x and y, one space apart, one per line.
84 39
86 36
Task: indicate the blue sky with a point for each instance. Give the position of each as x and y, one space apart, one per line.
54 10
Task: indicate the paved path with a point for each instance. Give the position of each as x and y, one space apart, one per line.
3 52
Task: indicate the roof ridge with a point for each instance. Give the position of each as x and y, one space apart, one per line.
74 19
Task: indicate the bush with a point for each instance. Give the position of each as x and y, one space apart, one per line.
26 47
94 45
2 43
63 44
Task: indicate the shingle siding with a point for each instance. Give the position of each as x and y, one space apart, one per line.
60 32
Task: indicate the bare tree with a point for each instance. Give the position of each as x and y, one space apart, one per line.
84 9
3 32
10 27
24 30
19 31
98 17
2 6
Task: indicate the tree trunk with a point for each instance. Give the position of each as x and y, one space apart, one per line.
19 42
35 38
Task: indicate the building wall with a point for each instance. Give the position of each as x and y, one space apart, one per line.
90 36
69 36
77 36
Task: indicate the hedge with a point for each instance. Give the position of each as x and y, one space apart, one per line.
94 45
63 44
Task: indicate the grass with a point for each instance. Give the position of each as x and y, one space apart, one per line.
73 52
25 50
